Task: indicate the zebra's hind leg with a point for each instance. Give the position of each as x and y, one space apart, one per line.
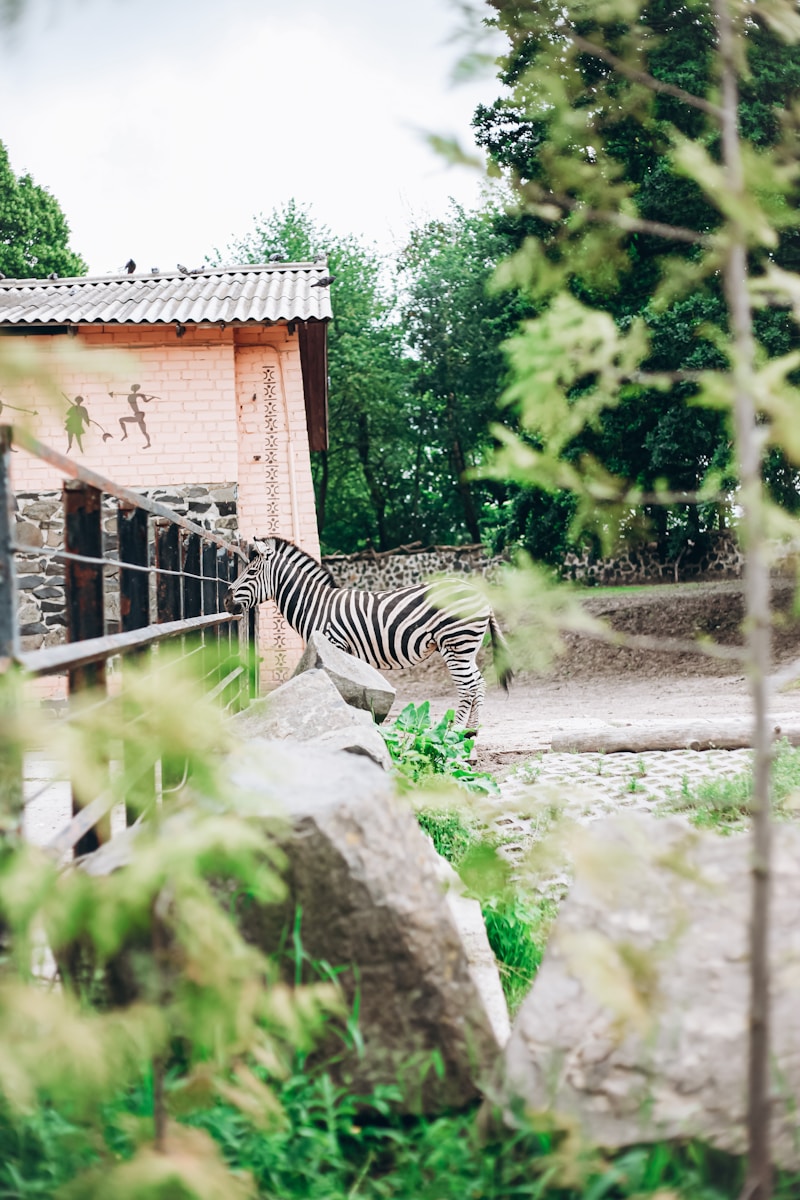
470 684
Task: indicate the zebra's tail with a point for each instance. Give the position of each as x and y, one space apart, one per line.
502 654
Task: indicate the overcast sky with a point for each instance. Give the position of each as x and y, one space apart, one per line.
164 126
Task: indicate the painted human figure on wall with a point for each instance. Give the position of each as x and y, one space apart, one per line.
137 416
77 422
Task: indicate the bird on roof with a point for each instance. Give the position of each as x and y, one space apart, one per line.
154 271
325 281
53 275
276 258
130 266
183 270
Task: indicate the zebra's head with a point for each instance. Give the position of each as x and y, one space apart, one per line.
254 585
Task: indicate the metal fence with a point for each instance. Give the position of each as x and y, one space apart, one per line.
172 578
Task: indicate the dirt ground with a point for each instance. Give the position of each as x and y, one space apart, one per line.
591 683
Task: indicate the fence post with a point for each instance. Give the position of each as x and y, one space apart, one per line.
223 584
192 590
9 636
253 663
134 613
134 586
168 558
11 764
83 586
210 604
169 596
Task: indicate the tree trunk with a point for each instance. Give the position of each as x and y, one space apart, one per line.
758 1185
376 494
459 470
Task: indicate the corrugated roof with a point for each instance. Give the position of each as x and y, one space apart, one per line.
233 294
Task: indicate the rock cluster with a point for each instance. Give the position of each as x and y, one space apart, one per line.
636 1027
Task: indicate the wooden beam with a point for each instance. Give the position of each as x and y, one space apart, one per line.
313 340
638 737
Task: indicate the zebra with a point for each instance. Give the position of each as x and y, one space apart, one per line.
386 629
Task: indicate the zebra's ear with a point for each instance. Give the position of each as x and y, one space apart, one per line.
258 548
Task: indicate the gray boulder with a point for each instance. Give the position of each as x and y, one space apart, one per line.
359 684
364 878
309 708
636 1028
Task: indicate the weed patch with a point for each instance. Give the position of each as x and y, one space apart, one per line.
724 804
420 749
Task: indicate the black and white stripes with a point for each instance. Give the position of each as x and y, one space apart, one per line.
385 629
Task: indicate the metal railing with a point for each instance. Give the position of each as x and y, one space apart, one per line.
171 577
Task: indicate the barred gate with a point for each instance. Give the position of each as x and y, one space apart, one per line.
173 576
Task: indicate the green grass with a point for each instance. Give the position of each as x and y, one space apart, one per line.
517 925
453 837
518 928
724 804
330 1144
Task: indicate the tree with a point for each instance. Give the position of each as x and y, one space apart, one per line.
454 328
650 435
34 234
361 482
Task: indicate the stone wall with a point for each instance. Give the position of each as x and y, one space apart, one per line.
40 527
721 559
382 572
40 578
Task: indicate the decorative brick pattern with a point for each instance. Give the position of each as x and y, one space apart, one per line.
276 495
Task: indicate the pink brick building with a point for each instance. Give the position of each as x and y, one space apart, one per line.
200 381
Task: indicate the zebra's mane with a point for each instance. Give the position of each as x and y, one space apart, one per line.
279 541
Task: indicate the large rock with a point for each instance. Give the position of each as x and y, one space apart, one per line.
364 878
357 682
309 708
636 1028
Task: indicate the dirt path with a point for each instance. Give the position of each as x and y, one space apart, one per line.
592 684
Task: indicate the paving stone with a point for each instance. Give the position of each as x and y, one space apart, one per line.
586 787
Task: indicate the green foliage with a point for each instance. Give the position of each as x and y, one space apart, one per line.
455 327
34 235
590 152
420 749
416 369
517 927
333 1145
450 833
361 481
149 957
724 804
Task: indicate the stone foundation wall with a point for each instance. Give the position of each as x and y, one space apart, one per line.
383 572
40 527
722 559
